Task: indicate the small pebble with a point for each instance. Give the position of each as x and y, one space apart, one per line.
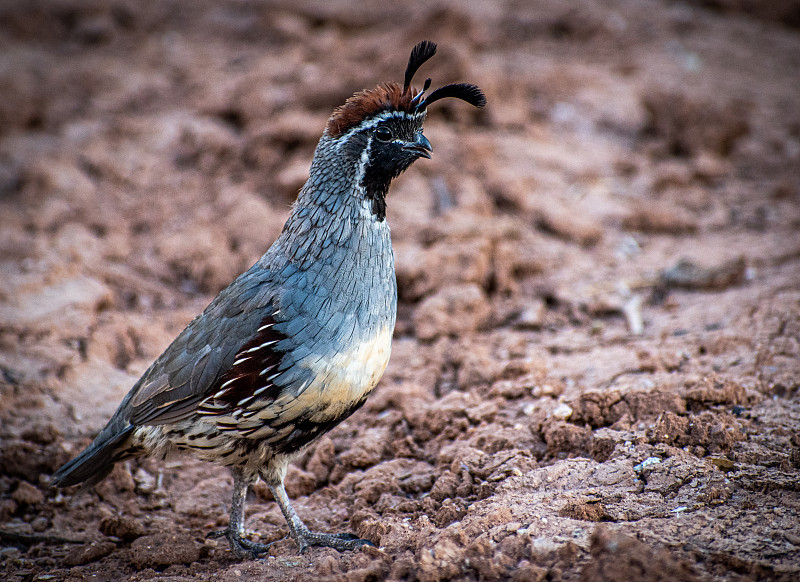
646 463
563 411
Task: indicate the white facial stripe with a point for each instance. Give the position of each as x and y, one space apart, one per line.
375 120
362 163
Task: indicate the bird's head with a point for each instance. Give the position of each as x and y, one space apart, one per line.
379 131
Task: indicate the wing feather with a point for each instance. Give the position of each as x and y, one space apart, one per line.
203 356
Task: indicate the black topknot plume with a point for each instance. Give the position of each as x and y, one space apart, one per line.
465 91
421 52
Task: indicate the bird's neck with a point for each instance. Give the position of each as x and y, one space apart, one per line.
341 178
334 213
329 197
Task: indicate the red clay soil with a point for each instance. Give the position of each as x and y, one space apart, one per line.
596 364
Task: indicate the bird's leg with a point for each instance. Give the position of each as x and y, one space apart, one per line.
234 533
305 537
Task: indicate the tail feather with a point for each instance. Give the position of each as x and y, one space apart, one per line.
96 461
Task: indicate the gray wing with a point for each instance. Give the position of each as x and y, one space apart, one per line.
188 372
194 364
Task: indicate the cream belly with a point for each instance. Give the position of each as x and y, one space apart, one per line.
347 378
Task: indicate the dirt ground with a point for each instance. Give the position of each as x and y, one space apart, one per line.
596 365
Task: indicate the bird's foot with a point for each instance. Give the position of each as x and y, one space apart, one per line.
305 538
240 545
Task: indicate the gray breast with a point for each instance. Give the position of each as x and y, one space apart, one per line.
336 306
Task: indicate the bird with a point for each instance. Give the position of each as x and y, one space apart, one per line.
294 345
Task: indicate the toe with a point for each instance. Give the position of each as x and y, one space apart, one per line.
345 541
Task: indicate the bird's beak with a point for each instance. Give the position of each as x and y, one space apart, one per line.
420 146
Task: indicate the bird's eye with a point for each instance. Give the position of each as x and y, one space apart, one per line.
383 134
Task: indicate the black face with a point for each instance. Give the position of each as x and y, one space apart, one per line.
395 144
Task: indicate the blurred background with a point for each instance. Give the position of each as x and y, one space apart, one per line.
599 268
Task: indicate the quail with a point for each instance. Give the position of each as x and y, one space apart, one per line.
294 345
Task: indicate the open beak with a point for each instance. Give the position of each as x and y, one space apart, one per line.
420 146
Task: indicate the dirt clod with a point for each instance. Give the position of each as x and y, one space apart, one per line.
621 557
584 511
122 527
87 553
160 550
27 494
